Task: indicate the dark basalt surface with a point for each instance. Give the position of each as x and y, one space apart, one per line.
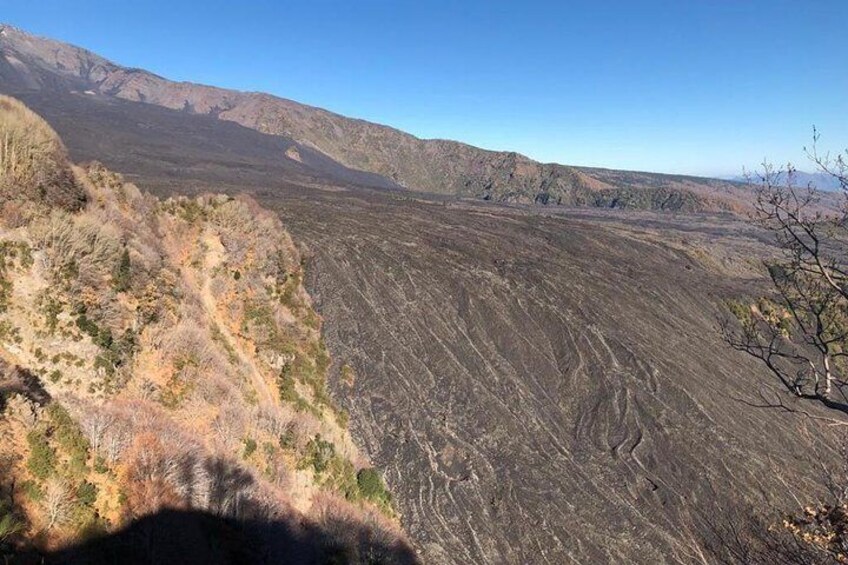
539 388
549 390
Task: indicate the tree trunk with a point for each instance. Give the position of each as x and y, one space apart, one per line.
828 376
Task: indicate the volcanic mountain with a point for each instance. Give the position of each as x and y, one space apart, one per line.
29 63
536 384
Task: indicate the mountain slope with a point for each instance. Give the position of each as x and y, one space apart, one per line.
165 355
541 386
553 389
438 166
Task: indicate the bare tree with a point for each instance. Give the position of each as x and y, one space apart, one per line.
116 439
57 502
94 425
801 332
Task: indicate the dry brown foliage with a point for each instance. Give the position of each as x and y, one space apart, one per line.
174 368
34 167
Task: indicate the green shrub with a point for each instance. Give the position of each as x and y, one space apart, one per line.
70 438
115 352
340 476
122 277
25 255
288 439
319 452
103 362
259 320
13 250
87 493
371 486
309 369
42 458
288 393
287 290
10 522
32 490
249 447
87 326
100 465
9 332
5 293
51 309
103 338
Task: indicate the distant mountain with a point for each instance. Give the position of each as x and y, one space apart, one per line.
33 64
821 181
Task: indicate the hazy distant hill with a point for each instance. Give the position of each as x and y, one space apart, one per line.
821 181
30 63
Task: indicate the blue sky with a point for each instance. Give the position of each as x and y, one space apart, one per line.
689 86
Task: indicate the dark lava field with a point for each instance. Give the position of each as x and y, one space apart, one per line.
548 389
540 386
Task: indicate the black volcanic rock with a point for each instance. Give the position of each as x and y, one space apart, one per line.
551 390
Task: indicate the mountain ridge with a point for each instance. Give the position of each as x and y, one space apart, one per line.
429 165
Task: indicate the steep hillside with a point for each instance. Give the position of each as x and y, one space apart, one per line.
538 387
164 355
34 169
30 64
553 389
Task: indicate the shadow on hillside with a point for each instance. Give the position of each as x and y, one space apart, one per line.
202 537
192 537
17 380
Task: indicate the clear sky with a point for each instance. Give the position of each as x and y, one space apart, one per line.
690 86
